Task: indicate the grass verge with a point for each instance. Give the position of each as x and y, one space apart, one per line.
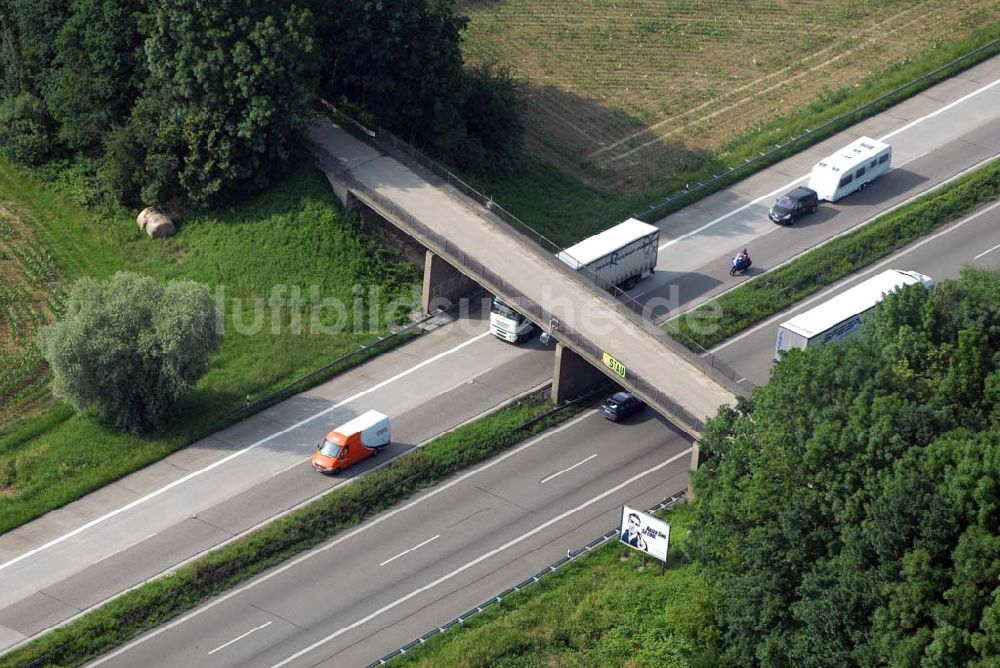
559 206
154 603
278 263
601 610
758 299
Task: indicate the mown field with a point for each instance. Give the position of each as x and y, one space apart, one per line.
622 95
263 258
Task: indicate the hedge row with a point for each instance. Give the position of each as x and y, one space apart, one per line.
778 289
154 603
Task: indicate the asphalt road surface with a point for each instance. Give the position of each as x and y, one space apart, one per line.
377 587
935 135
973 240
204 495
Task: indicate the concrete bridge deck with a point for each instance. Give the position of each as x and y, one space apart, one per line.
674 381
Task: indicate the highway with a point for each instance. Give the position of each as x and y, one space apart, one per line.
215 489
973 240
935 135
376 587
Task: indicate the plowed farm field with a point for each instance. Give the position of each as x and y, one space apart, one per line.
623 94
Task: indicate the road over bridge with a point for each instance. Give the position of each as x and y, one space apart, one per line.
590 325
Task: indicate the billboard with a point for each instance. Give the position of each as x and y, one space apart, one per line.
645 533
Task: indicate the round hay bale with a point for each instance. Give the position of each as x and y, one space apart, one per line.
155 223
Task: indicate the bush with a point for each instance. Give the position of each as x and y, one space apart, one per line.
26 130
130 347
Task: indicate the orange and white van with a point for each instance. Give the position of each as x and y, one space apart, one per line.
350 443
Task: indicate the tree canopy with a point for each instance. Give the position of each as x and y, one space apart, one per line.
187 101
130 347
849 513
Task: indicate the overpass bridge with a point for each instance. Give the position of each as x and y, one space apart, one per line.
467 242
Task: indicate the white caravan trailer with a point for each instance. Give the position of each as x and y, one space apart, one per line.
851 168
839 318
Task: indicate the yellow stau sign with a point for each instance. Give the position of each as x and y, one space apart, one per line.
613 364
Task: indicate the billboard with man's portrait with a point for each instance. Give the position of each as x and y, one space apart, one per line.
645 532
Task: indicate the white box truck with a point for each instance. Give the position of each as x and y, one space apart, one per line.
851 168
839 318
508 324
620 255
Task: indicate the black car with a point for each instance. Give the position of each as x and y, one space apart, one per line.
792 206
620 405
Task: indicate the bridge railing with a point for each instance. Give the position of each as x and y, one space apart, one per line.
639 313
476 270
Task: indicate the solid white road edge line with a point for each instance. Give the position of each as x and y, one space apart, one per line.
238 453
484 557
868 270
350 534
801 178
415 547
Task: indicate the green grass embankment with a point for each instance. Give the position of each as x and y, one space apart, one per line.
601 610
262 258
780 288
156 602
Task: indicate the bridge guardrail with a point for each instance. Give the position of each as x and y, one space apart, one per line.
571 555
634 310
446 248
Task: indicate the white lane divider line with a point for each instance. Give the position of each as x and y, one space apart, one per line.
312 554
127 547
415 547
794 182
238 453
580 463
474 562
238 638
986 251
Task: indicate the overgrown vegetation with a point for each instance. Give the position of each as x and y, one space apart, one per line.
130 347
755 300
315 256
188 104
849 513
153 603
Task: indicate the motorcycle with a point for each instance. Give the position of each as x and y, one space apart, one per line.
738 265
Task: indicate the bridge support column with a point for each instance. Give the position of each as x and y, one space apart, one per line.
573 375
443 284
697 459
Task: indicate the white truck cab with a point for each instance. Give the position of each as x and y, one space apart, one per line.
508 324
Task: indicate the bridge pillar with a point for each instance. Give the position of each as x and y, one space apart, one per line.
697 459
443 284
573 375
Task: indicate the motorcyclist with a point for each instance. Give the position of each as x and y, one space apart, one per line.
744 259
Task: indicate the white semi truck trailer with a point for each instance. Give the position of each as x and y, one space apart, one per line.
619 256
839 318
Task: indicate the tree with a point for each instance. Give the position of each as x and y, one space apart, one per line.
230 85
101 67
130 348
26 129
849 512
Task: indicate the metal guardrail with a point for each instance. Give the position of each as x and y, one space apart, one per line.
447 249
637 312
289 389
571 556
810 135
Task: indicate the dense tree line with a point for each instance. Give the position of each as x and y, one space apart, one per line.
849 513
185 101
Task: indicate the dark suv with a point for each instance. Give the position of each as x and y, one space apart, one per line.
620 405
792 206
